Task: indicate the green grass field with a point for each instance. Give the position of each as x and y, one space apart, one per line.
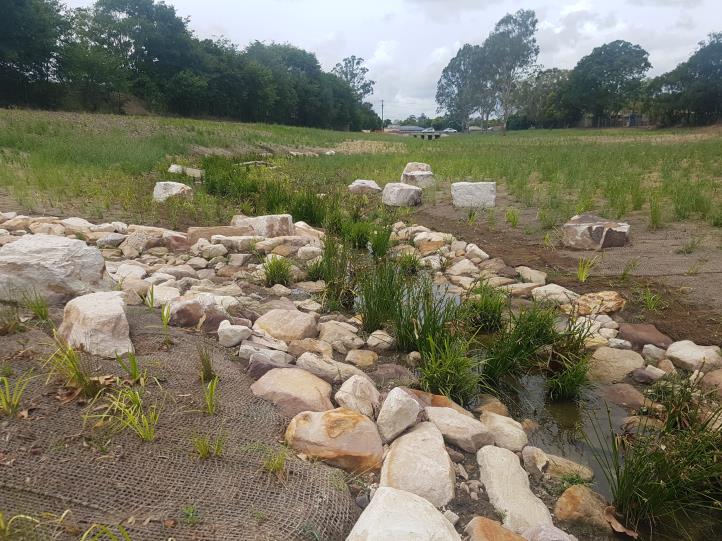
105 166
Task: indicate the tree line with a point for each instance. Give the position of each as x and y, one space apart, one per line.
101 57
500 78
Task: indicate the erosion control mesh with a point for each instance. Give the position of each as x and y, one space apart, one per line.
51 462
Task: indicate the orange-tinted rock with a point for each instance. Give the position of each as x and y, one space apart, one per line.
436 400
484 529
581 505
341 437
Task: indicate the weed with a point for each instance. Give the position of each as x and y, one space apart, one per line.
314 270
448 369
584 267
149 298
512 217
277 270
409 264
210 396
378 295
36 304
650 300
717 217
337 272
206 446
569 380
11 396
690 246
471 216
67 364
357 234
102 532
9 527
491 218
655 212
567 480
629 269
259 516
308 207
205 361
6 370
191 515
125 410
380 241
549 241
130 366
165 321
484 308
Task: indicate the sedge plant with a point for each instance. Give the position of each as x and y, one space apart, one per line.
584 268
277 270
11 395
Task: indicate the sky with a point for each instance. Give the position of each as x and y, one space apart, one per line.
406 43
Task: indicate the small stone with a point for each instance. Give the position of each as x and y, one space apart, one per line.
553 293
653 354
531 275
666 366
398 412
358 393
451 516
232 335
363 358
380 341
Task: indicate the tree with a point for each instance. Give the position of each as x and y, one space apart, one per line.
456 91
543 99
352 71
512 52
609 79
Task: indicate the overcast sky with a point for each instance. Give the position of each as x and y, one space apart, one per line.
406 43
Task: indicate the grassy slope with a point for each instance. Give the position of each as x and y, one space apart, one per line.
105 166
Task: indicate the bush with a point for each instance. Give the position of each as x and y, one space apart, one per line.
277 271
484 308
378 295
448 369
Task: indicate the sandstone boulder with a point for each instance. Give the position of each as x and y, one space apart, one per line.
232 335
463 431
473 194
55 268
293 390
358 393
397 194
398 412
609 365
340 437
580 505
364 186
96 323
505 431
554 294
342 336
273 225
641 334
689 356
287 325
484 529
327 369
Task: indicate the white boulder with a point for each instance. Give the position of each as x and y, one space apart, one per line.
554 294
232 335
358 393
689 356
458 429
166 190
287 325
398 412
506 432
397 194
364 186
473 194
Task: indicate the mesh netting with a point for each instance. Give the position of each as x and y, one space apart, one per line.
52 463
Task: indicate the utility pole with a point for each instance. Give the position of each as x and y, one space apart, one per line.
383 129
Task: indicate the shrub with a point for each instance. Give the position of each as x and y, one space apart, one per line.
484 308
448 369
277 270
378 295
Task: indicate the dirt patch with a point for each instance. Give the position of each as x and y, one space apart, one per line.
688 284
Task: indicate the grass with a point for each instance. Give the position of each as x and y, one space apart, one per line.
125 410
9 320
165 321
102 532
36 304
447 368
409 264
130 366
67 364
380 241
651 301
690 246
585 265
207 446
335 268
277 270
191 515
149 298
210 396
569 379
11 395
484 308
512 217
205 363
378 294
275 463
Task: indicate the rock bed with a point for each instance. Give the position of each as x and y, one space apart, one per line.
349 398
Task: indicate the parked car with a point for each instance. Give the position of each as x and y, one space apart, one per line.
449 130
429 130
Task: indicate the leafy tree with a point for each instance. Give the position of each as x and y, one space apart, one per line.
512 51
609 79
456 91
543 100
353 72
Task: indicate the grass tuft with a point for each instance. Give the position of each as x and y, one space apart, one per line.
378 295
277 270
484 308
11 395
206 446
448 369
36 304
67 364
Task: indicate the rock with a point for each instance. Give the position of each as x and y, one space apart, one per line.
547 532
341 336
163 295
418 463
287 325
380 341
713 380
398 412
465 432
222 232
186 313
622 394
484 529
436 400
667 366
299 347
507 433
293 390
532 276
559 467
507 487
55 268
487 402
269 226
687 355
648 374
580 505
609 365
260 363
327 369
463 267
364 186
358 393
96 323
363 358
397 515
473 194
232 335
401 195
589 232
176 169
418 174
393 373
555 294
640 334
474 252
166 190
129 270
340 437
602 302
111 240
652 353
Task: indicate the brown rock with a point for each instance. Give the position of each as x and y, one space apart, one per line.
260 363
293 390
436 400
581 505
622 394
602 302
312 345
484 529
341 437
667 366
713 380
186 314
641 334
487 402
393 373
363 358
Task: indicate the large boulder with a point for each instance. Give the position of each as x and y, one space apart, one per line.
327 369
358 393
465 432
399 411
341 336
288 325
580 505
163 191
554 294
589 232
418 174
473 194
398 194
507 486
96 323
641 334
397 515
689 356
610 365
55 268
485 529
341 437
293 390
364 186
272 225
418 462
505 431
